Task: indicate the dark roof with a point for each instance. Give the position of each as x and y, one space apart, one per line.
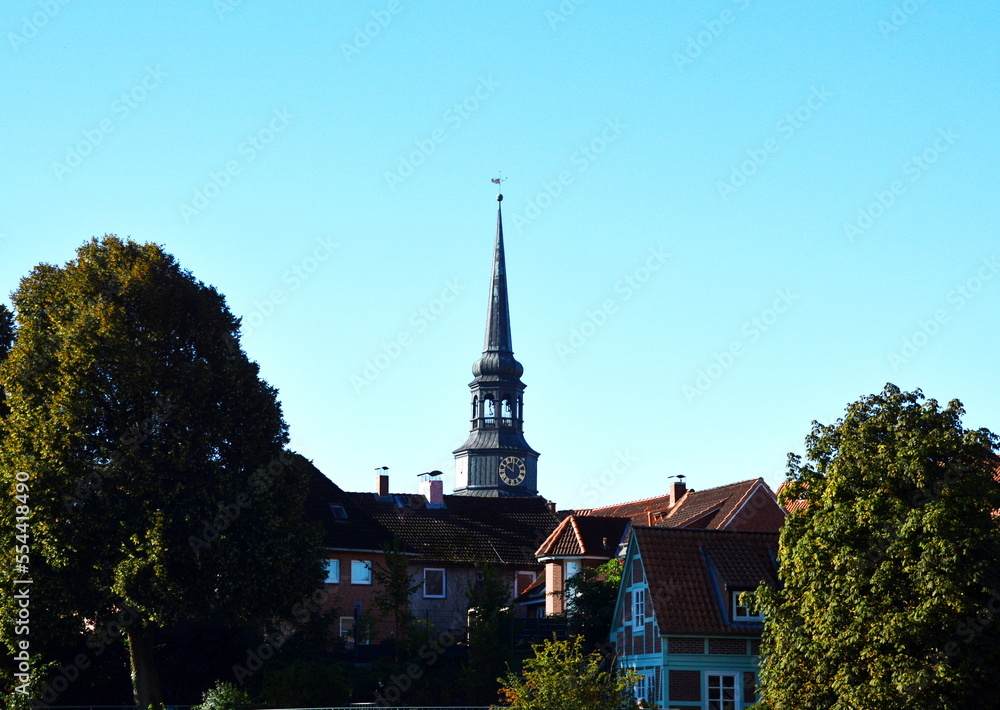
692 572
585 535
466 529
711 508
356 531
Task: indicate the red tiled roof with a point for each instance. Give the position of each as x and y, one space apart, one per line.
585 535
692 572
711 508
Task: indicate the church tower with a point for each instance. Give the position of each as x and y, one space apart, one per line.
495 460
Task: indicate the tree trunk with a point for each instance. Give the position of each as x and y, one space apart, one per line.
145 680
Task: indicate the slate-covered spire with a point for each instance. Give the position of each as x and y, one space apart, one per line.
498 349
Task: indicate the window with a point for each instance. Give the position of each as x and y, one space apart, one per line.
645 688
572 568
434 583
721 691
638 611
744 608
347 630
338 512
333 571
361 571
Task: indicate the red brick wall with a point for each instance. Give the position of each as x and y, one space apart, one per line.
755 647
685 686
731 647
759 514
685 645
637 573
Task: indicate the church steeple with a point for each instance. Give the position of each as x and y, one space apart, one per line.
496 460
498 349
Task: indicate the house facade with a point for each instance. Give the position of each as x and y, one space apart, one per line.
684 619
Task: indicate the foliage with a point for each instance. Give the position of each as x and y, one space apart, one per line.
159 484
225 696
306 683
490 630
394 586
590 601
562 677
890 574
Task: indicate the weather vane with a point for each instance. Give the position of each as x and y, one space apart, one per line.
497 180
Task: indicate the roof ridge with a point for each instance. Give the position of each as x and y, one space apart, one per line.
667 495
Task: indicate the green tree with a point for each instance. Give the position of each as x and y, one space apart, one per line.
491 617
562 677
590 601
160 488
890 575
395 584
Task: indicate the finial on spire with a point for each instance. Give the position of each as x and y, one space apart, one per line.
497 180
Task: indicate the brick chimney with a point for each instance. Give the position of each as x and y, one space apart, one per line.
382 484
677 490
432 488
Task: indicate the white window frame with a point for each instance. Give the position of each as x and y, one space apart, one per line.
638 611
358 579
572 569
645 688
720 703
444 583
736 607
333 571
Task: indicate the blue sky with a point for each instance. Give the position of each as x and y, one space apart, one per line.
724 220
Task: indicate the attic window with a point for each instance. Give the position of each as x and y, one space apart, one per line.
744 607
338 512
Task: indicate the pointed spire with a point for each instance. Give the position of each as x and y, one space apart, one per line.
498 349
498 316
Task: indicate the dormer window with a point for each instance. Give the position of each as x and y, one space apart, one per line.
744 606
338 512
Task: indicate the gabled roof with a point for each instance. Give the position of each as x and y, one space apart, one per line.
691 574
581 535
711 508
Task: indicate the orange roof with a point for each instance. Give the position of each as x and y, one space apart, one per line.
580 535
711 508
691 574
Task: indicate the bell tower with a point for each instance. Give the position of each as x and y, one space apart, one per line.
495 460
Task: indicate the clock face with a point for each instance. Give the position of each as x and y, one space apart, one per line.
512 470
